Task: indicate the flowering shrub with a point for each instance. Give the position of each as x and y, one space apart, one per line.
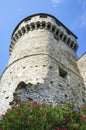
33 116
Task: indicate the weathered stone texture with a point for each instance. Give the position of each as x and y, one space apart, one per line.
82 66
47 65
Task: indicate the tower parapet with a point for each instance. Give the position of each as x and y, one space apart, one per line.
47 22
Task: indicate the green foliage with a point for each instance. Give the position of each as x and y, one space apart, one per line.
33 116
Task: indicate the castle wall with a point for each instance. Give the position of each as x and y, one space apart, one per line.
45 59
82 67
52 87
43 42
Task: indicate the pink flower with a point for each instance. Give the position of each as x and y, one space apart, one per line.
19 115
34 103
82 118
0 127
4 115
28 118
43 106
36 108
57 128
64 119
84 107
64 129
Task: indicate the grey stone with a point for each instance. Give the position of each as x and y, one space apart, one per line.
43 65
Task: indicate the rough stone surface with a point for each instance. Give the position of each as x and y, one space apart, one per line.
45 64
82 67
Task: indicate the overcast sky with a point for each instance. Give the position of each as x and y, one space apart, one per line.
72 13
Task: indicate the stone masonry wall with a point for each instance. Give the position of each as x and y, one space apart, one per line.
82 67
46 64
49 87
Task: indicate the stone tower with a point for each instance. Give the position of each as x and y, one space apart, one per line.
82 66
42 64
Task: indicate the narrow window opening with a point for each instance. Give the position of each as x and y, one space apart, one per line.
68 42
14 39
68 32
48 26
83 100
33 26
58 23
51 82
65 95
43 16
53 29
28 28
43 24
23 30
75 47
64 39
38 25
62 73
20 33
61 35
16 36
57 32
71 45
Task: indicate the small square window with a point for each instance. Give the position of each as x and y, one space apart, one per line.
43 16
62 73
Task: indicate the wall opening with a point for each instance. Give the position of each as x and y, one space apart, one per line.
53 28
71 45
38 25
43 16
62 73
43 24
28 27
57 32
68 41
48 26
61 35
33 26
23 30
64 39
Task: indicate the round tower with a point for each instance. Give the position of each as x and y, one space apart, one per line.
42 65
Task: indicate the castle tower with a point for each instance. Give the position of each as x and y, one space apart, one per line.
42 64
82 66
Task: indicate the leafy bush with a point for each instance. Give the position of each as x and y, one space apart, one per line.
33 116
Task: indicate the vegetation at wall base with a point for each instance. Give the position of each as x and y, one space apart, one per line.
33 116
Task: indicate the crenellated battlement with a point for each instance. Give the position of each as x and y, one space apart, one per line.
43 22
